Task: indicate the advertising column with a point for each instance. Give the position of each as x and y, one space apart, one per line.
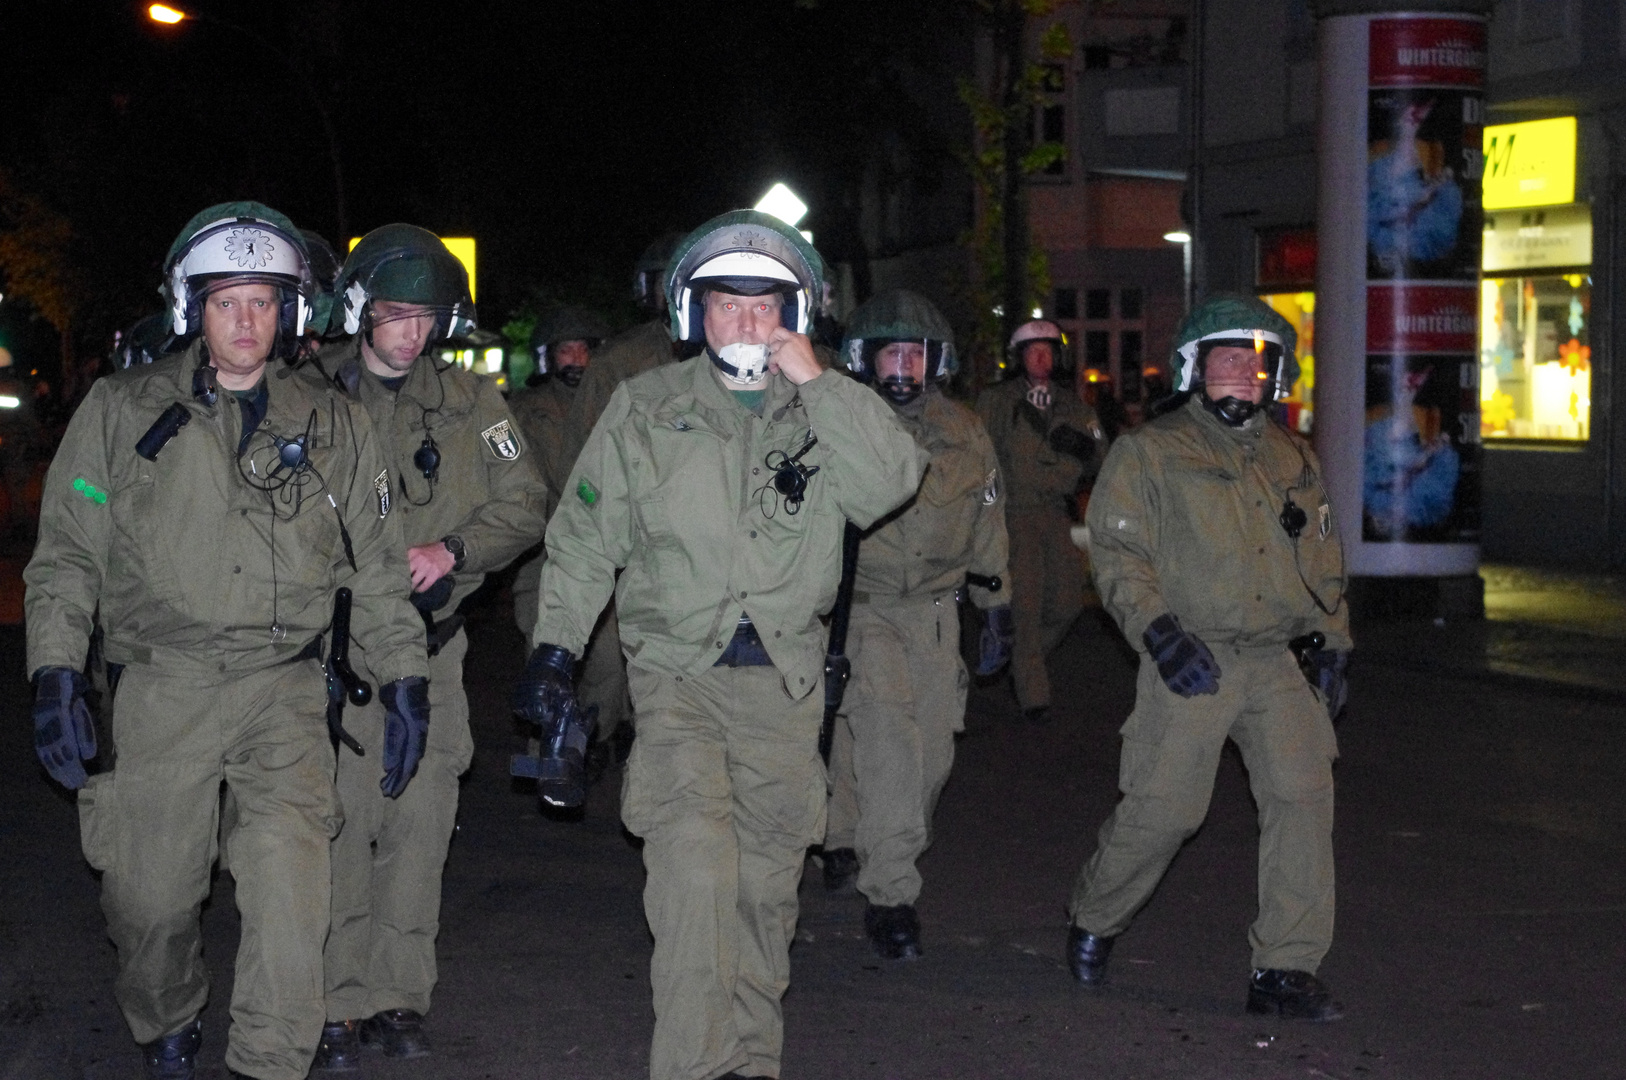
1398 293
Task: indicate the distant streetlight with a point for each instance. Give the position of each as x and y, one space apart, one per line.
9 402
782 203
1179 236
163 13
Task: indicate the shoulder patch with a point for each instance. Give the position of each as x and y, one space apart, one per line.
586 492
381 488
1323 515
990 487
500 440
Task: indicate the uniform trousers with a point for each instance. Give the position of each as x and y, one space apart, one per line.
388 858
726 788
1171 750
150 826
1047 595
894 739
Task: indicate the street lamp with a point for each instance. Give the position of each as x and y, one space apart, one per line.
169 16
782 203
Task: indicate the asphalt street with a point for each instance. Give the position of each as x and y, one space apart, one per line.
1481 845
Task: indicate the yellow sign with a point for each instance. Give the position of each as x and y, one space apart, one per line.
1530 164
461 246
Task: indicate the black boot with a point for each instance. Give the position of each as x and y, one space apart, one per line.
1087 955
175 1056
894 931
840 867
340 1048
1294 995
397 1032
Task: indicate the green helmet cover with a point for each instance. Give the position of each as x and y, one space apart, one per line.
568 324
747 232
406 264
1225 312
898 315
241 209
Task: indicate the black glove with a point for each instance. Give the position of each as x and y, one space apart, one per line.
1066 439
64 737
1329 674
998 635
548 687
1184 662
406 731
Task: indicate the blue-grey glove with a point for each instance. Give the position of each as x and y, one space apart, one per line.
548 687
64 737
998 636
1329 671
1184 662
406 731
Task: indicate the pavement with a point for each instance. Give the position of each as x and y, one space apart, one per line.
1481 845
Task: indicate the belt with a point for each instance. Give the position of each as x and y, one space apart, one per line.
745 648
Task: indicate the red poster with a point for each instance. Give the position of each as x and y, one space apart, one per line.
1415 318
1426 52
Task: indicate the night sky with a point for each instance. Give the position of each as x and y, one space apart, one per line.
563 136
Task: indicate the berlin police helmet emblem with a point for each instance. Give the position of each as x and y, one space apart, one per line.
249 248
500 440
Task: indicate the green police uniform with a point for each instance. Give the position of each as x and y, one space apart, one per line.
1184 520
213 592
1047 574
894 737
724 783
543 413
387 861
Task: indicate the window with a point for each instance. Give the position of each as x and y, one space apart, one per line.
1298 308
1098 304
1053 129
1098 349
1065 304
1535 360
1129 343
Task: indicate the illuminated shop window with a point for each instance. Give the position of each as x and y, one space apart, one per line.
1298 308
1535 358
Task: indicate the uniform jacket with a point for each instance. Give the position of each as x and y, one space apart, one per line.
189 563
487 489
1038 476
674 487
543 413
1185 519
955 522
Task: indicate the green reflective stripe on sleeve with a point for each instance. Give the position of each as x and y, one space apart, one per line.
89 490
586 492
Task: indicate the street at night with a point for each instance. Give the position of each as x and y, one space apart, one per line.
813 540
1481 841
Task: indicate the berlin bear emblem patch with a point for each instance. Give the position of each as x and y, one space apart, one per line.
381 488
500 439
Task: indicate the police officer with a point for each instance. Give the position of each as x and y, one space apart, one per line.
1049 444
469 499
563 343
893 743
634 351
1215 550
719 487
209 505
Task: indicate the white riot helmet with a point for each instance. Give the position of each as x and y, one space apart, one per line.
746 253
239 243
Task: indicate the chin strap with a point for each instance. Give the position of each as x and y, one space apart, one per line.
1232 411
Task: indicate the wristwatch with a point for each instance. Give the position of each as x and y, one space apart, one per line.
454 544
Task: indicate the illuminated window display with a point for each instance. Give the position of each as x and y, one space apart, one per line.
1535 360
1298 308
